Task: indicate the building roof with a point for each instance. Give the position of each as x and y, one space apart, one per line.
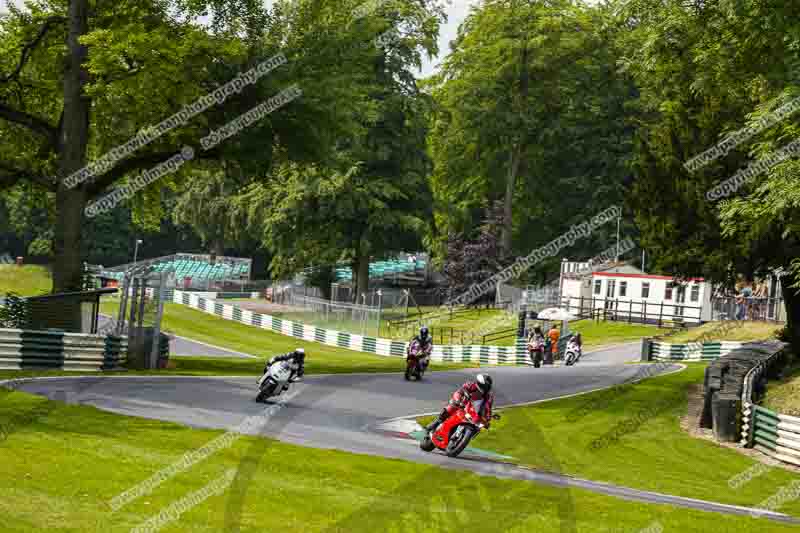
640 275
611 266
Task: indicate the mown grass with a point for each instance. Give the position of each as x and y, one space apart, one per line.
606 332
28 280
63 464
739 330
630 435
320 358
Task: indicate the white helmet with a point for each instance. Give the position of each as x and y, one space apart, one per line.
484 382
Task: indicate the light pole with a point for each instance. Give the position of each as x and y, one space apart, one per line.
136 252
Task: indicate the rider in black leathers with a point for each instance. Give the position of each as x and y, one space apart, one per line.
426 345
298 357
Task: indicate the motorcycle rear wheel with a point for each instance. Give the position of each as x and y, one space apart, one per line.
454 448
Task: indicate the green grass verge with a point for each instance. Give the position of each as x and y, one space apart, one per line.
320 358
27 280
651 452
741 331
605 333
62 465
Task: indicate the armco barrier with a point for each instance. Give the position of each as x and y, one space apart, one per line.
25 349
490 355
707 351
729 385
775 434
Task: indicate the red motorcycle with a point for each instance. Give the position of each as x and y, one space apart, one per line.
414 365
455 433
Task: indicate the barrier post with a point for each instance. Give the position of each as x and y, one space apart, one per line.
647 343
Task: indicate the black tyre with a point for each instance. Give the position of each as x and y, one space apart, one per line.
260 398
454 448
426 444
267 391
408 374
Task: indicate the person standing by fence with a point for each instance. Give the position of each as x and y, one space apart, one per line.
554 335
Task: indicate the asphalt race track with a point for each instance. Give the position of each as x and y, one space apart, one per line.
361 413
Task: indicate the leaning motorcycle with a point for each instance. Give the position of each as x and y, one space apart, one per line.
414 365
274 380
573 354
454 434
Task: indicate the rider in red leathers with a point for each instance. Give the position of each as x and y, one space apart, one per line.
476 397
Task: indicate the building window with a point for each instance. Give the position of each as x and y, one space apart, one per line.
695 293
623 288
610 288
668 291
597 284
645 290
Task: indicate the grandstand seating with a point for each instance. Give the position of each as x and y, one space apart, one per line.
198 270
381 269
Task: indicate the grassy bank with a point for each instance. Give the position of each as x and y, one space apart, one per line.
783 395
741 331
26 280
604 333
62 466
631 436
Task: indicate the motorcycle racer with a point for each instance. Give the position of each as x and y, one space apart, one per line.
297 359
474 396
425 342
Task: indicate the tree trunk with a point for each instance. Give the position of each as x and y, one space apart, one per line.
218 247
508 219
73 139
791 301
515 157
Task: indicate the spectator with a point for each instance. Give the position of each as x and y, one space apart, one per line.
553 334
747 294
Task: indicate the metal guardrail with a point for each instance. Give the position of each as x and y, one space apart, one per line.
27 349
750 419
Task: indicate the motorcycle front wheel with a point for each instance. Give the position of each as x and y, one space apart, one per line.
456 446
426 444
266 392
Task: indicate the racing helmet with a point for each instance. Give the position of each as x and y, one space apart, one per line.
423 332
301 353
484 382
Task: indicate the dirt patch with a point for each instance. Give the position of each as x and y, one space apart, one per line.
690 423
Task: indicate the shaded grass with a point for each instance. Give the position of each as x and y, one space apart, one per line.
741 331
630 435
64 465
28 280
783 395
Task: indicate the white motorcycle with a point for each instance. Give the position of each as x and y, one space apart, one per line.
573 353
275 380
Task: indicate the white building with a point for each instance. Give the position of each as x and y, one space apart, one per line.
627 293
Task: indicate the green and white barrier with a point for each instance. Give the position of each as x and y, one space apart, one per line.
26 349
774 434
488 355
664 351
